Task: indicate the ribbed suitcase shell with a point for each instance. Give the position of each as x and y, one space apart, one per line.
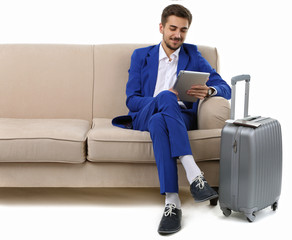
250 167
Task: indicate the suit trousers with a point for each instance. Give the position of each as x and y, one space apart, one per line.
168 124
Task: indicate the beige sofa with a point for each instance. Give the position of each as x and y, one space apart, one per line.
56 107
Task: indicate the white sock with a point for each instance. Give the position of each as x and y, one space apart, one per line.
190 166
172 198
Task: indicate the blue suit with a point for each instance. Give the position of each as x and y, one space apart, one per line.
162 116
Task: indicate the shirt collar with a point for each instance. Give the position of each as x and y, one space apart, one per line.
162 54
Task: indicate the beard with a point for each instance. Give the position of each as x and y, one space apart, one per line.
174 48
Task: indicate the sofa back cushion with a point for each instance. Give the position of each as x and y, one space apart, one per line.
111 65
46 81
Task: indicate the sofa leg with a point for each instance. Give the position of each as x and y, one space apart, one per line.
214 201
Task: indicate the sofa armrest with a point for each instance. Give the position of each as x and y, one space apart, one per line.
213 112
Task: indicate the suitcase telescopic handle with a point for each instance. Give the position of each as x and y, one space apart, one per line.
244 77
234 80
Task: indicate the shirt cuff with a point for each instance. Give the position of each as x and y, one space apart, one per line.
214 92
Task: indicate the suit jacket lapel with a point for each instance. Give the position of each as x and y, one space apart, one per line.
182 60
151 70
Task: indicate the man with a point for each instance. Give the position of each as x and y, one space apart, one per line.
155 107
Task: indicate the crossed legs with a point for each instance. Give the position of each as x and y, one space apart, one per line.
168 125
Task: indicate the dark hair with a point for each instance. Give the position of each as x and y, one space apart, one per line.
176 10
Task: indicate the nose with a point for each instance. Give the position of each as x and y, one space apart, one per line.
177 34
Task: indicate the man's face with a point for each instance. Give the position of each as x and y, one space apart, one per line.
174 32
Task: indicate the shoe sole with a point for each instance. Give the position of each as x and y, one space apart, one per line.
169 232
208 198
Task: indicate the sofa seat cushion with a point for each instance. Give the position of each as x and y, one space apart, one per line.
107 143
43 140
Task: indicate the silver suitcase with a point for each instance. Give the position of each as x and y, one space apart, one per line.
251 161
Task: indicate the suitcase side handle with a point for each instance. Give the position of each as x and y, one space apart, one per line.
234 80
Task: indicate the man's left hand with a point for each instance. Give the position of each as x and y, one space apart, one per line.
198 91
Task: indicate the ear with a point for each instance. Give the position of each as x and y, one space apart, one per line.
161 28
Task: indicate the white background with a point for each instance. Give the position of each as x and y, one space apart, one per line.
252 36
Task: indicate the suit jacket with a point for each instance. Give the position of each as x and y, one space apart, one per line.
143 75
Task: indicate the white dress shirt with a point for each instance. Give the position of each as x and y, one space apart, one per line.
167 71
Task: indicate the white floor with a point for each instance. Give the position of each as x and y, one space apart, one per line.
125 214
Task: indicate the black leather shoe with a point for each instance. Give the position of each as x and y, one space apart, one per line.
171 220
201 190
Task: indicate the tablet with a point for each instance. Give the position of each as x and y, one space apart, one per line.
185 80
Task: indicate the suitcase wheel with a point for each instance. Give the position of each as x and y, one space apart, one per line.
251 217
226 212
274 206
